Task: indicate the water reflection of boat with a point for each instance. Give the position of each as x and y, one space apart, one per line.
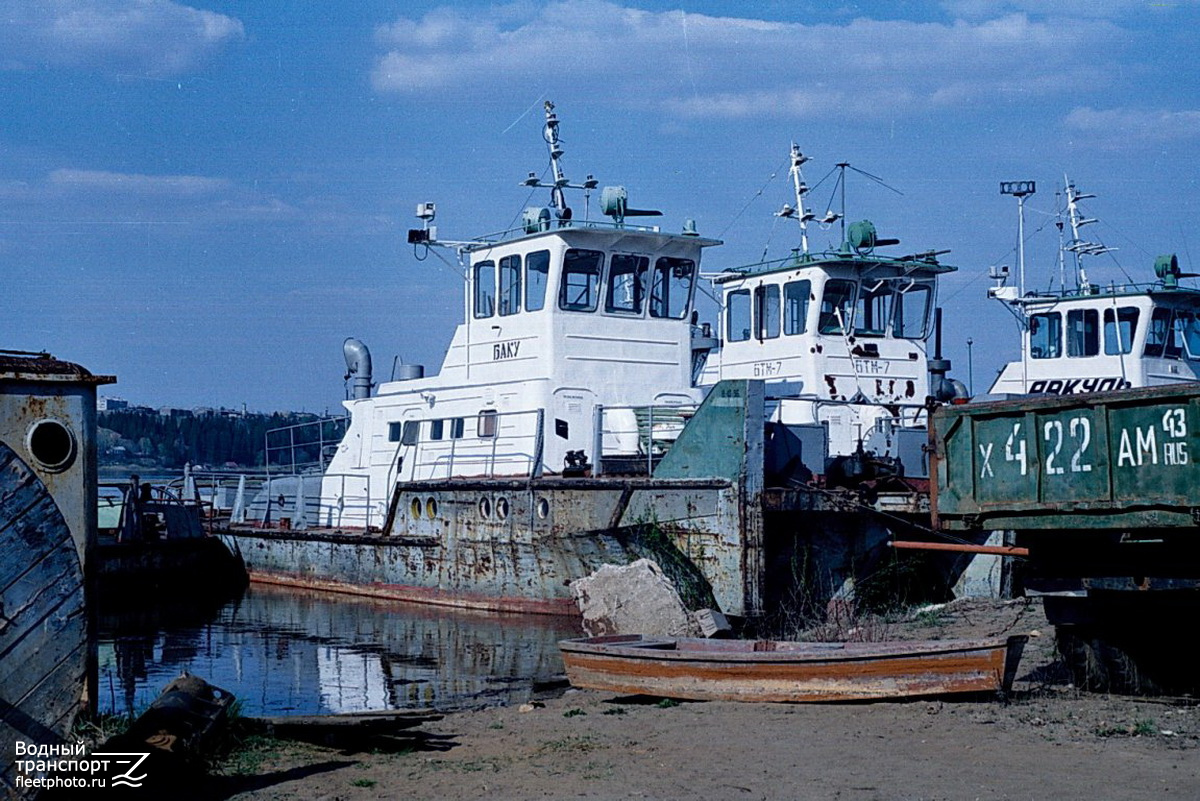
285 651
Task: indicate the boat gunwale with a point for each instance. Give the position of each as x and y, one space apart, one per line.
625 647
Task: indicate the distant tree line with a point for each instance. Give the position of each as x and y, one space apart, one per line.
212 439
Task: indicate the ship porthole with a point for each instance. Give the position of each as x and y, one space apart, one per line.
51 444
416 508
485 508
431 508
502 508
543 508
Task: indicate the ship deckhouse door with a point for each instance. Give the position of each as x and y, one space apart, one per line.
569 427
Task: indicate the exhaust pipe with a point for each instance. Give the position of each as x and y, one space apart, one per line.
358 366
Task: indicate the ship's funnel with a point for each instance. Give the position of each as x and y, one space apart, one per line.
358 367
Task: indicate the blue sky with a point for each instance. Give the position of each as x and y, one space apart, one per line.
205 199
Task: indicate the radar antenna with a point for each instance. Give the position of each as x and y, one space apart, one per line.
557 200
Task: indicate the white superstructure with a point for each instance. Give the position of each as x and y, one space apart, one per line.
838 336
574 330
1091 338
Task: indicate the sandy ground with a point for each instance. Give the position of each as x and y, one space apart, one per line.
1048 741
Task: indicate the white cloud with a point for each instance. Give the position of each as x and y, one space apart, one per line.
157 37
132 185
1118 128
705 66
1095 9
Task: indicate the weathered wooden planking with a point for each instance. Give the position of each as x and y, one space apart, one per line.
43 631
735 670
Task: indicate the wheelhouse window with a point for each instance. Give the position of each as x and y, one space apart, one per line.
485 289
1120 327
394 429
1189 329
1162 338
1083 332
873 310
437 429
456 428
1045 335
486 426
837 306
671 287
766 311
537 276
510 285
912 312
626 283
580 280
796 297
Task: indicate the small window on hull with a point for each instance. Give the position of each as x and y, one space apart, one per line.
486 428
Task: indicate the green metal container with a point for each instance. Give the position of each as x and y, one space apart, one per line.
1116 460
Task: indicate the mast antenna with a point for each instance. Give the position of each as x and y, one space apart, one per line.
1020 190
557 199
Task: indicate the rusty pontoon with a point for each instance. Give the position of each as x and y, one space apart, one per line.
770 670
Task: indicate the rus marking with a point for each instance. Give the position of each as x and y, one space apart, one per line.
505 350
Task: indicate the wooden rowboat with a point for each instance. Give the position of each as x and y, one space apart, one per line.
769 670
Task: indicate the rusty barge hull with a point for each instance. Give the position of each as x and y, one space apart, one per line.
771 671
514 544
455 551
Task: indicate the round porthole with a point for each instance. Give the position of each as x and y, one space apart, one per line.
416 508
431 508
502 508
543 508
51 444
485 508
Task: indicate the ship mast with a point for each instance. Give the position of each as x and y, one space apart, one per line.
557 199
1078 245
801 189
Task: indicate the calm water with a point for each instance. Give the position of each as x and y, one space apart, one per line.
296 652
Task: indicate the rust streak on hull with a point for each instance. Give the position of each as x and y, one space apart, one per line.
564 607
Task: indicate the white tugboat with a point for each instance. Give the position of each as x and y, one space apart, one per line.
838 336
563 318
569 427
536 454
1083 337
